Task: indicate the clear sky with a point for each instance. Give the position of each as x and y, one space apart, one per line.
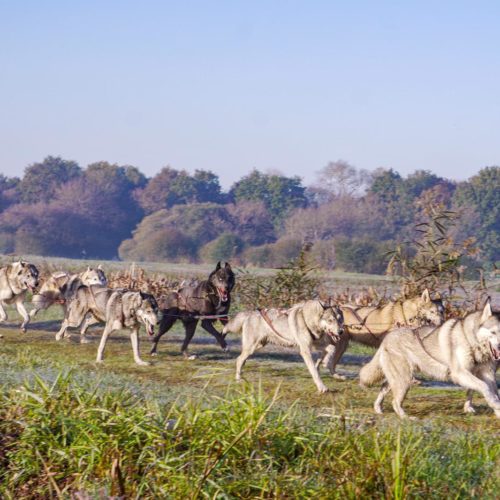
232 85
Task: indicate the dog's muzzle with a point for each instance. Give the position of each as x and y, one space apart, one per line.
32 286
150 328
223 295
334 336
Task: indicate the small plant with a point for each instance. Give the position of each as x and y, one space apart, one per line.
433 260
289 285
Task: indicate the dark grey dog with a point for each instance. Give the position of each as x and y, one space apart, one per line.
211 297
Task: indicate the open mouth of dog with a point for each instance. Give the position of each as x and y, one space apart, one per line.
495 353
150 328
334 336
222 292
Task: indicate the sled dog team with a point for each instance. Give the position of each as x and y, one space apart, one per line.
409 335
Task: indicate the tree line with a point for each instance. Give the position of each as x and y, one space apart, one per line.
349 217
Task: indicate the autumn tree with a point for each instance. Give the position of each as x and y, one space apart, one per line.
41 180
176 187
339 179
482 193
279 194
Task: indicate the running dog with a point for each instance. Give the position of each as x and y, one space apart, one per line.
308 325
369 325
59 288
211 297
126 309
464 351
15 281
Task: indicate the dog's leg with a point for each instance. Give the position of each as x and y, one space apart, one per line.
102 344
248 347
23 312
34 312
73 319
207 325
166 323
62 331
333 357
305 352
134 338
484 385
378 405
190 328
399 391
468 408
3 314
89 321
399 376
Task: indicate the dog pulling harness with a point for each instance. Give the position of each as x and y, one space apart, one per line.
263 313
362 322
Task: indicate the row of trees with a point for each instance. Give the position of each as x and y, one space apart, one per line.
350 217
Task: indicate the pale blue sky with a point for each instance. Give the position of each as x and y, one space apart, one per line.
228 85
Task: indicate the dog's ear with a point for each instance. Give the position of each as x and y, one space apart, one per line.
426 297
487 312
99 267
217 267
88 268
227 267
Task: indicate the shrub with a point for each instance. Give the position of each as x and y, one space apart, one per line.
225 247
361 255
276 254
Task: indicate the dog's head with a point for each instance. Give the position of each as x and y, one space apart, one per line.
331 321
222 278
427 310
489 331
146 311
94 277
26 275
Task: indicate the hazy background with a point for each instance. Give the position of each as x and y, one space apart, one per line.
229 86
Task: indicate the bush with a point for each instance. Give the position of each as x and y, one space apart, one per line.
166 244
176 234
277 254
225 247
323 253
362 255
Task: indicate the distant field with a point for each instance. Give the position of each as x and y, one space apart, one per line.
332 280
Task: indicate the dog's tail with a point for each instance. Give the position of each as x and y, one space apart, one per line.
234 325
372 372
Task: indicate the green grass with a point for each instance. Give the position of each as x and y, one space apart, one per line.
185 429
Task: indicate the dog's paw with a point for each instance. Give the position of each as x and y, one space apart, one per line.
323 389
192 356
468 408
337 376
140 362
23 329
85 340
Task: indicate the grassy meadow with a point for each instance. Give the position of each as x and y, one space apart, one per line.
70 428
